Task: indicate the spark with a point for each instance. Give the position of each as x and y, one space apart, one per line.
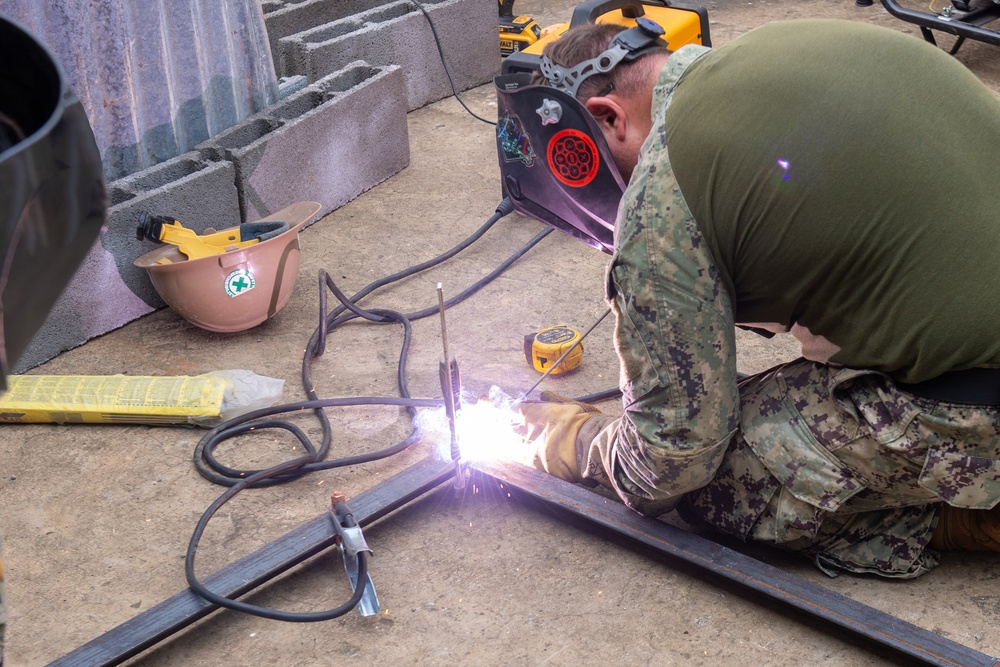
487 430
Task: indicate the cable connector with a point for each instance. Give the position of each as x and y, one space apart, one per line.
505 207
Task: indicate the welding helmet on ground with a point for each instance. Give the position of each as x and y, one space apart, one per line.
52 195
555 164
236 286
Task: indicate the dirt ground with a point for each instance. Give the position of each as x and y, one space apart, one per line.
96 519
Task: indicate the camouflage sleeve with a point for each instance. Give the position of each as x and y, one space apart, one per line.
676 341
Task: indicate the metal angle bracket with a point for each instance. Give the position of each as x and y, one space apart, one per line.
165 619
856 617
176 613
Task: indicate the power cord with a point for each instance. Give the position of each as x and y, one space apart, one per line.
259 420
437 43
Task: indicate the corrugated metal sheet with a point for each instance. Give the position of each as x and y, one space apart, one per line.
156 77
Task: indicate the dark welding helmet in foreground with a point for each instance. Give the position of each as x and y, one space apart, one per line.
52 196
555 165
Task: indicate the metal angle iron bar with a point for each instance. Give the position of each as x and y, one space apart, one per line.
181 610
720 560
174 614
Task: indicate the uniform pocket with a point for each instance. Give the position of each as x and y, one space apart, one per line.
972 482
775 431
637 338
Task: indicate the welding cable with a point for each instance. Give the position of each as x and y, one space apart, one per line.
485 280
238 480
259 420
210 468
255 610
597 397
437 43
504 208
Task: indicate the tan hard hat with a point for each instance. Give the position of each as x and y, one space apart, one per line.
235 290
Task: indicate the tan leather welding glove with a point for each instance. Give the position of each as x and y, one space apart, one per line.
557 452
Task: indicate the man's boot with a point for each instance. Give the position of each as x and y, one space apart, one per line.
967 530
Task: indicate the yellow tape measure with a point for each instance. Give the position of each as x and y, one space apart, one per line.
543 348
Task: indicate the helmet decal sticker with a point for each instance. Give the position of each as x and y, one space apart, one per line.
573 158
239 281
514 142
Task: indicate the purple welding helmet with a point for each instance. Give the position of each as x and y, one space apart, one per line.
555 165
52 196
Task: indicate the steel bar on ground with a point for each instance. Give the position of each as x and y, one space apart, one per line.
174 614
849 614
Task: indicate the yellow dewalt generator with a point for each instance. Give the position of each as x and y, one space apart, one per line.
516 32
682 24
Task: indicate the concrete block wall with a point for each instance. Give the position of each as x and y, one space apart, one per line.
329 141
107 291
394 33
347 131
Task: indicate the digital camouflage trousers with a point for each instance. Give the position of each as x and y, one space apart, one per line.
842 466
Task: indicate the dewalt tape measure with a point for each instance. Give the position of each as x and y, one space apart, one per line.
543 348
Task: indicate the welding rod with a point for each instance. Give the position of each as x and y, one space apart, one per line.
451 388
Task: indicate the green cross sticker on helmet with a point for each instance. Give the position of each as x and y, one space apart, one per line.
239 281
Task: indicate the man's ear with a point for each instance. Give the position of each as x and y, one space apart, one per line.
609 115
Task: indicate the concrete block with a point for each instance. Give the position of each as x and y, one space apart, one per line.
328 143
399 33
197 192
284 19
107 291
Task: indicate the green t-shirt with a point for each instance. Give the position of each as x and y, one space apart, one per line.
859 201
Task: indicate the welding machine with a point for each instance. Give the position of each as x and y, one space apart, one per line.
682 24
555 164
516 32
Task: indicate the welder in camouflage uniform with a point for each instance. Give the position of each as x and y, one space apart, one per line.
835 180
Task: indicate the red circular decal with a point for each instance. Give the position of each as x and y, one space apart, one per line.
573 158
